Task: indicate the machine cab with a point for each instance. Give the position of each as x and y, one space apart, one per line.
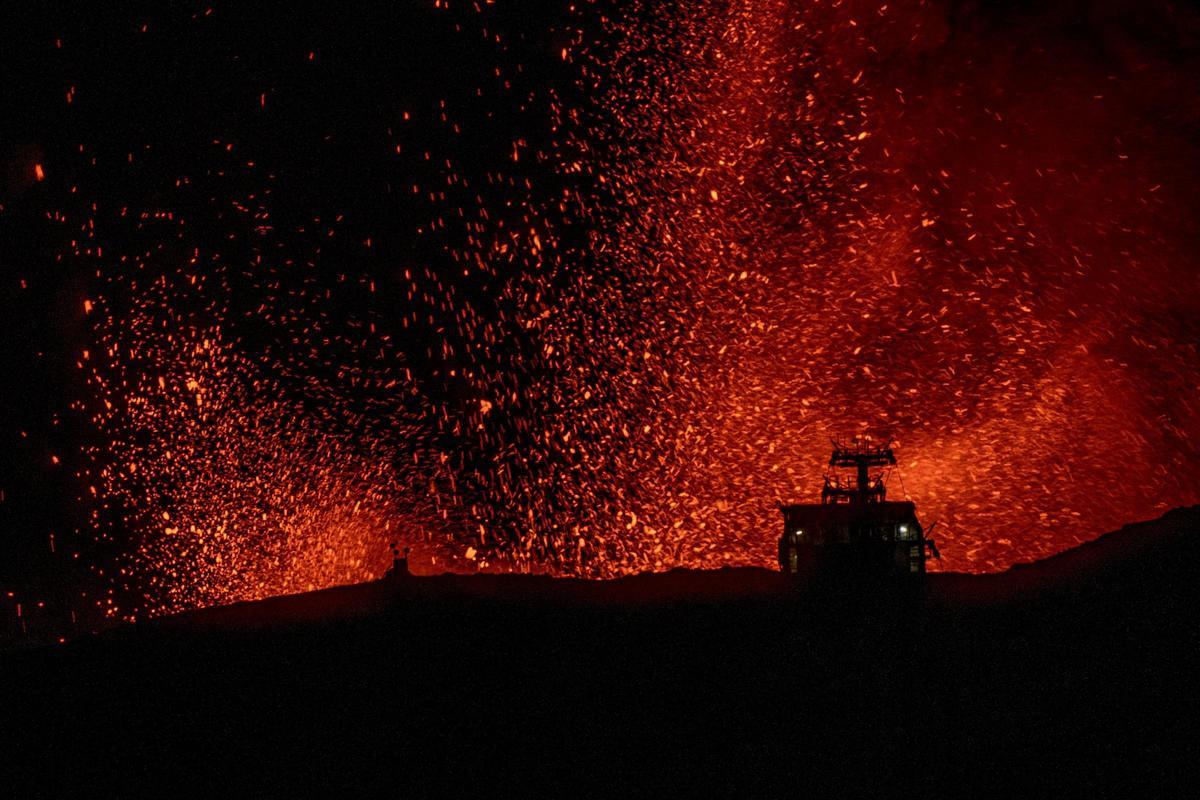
855 528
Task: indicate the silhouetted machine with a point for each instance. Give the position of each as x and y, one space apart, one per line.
855 529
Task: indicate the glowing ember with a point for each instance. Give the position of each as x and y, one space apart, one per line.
786 239
731 229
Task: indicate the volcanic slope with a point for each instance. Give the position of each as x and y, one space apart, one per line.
1075 673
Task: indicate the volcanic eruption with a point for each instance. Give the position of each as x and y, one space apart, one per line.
588 295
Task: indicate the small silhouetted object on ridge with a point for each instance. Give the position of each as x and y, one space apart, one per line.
399 569
854 528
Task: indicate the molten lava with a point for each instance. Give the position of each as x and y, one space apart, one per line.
740 227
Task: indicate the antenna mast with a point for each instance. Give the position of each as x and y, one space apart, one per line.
868 460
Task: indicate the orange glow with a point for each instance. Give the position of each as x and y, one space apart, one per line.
761 242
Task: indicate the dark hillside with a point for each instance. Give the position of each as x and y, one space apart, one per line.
1074 674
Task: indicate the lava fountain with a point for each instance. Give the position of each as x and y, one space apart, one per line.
739 227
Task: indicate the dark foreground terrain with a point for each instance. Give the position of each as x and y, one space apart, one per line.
1078 675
